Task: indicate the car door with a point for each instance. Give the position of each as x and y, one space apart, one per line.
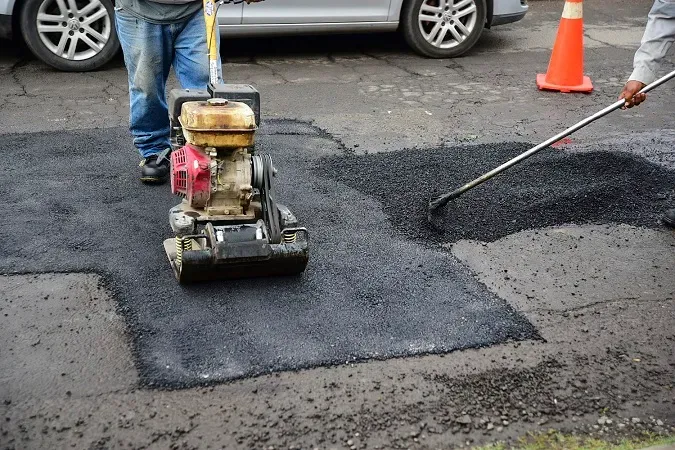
230 14
316 11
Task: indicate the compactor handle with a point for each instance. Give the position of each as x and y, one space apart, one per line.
211 20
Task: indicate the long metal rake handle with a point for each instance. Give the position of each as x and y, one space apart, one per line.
444 199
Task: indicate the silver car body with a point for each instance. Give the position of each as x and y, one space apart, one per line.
310 16
6 7
6 18
318 16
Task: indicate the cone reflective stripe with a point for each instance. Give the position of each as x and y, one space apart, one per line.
566 67
573 10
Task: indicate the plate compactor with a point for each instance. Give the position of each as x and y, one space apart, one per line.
229 224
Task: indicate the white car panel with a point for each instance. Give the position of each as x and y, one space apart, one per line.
6 7
230 14
395 10
509 7
316 11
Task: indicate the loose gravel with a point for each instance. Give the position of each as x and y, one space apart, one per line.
550 188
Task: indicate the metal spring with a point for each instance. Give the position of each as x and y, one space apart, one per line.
179 250
290 238
182 245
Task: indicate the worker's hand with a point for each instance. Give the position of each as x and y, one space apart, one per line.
631 94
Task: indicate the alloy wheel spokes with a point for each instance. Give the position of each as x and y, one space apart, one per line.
74 29
447 23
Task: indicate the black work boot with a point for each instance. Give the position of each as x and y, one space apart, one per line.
669 218
155 168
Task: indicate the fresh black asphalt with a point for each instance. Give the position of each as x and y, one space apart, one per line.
551 188
71 201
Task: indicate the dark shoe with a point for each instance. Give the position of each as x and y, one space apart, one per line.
669 218
155 168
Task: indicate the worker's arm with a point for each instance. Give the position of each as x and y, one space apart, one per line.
657 39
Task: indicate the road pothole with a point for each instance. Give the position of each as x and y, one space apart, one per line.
551 188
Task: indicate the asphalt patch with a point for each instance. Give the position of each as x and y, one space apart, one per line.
72 202
551 188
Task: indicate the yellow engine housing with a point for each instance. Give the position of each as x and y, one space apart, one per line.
224 133
218 123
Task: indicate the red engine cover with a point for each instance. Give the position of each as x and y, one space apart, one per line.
191 176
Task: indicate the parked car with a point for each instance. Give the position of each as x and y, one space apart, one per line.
79 35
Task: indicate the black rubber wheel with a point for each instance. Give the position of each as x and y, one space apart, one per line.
50 33
452 17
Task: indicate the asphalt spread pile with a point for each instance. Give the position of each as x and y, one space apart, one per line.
72 201
550 188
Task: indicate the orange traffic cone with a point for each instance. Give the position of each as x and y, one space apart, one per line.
566 67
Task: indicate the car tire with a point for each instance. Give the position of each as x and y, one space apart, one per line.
442 22
51 33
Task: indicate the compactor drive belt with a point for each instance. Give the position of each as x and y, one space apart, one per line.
271 214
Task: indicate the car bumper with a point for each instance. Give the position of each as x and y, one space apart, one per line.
5 26
508 11
507 18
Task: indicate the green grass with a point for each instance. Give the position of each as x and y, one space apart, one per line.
554 440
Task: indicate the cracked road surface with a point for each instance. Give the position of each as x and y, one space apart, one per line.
591 279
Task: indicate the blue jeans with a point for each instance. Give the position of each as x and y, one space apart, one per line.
149 52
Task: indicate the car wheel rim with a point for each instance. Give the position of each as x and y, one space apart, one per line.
447 23
74 29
